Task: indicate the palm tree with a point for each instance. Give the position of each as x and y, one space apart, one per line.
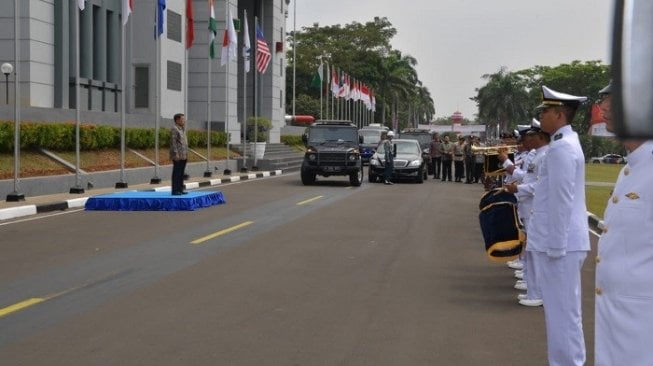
398 77
503 100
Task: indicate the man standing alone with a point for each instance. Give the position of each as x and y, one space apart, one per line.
558 233
178 153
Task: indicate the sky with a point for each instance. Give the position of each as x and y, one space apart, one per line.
455 42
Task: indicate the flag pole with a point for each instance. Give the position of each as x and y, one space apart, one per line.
207 172
227 171
123 66
245 70
77 188
257 98
157 101
16 195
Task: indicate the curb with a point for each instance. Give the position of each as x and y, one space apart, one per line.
28 210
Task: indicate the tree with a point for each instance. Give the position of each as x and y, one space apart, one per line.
577 78
364 52
503 100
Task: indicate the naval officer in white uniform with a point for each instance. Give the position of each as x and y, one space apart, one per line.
624 265
538 140
558 232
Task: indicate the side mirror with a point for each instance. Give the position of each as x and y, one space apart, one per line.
632 52
305 139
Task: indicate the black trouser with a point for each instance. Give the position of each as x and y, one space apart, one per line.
178 167
478 172
437 167
469 169
446 170
459 165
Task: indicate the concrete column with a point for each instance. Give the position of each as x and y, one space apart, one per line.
99 43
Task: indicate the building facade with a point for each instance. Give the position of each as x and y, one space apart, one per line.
173 80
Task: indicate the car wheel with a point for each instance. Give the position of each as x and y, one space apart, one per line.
420 176
308 178
356 179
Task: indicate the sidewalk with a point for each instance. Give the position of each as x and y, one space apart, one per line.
63 201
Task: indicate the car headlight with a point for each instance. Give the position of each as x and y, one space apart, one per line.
312 157
415 163
353 157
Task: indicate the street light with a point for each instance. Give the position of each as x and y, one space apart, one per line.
7 69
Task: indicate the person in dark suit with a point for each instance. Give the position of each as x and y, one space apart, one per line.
178 153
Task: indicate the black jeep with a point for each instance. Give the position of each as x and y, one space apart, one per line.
332 148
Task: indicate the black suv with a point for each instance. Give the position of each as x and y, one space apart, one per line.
332 148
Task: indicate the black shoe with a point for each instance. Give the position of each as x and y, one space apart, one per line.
177 193
388 182
184 192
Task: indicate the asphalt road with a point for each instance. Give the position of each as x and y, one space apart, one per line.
282 274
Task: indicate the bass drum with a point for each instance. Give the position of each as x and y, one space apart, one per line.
500 224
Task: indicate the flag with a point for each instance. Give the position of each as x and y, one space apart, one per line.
246 45
335 88
263 54
190 27
161 23
317 77
229 41
213 29
344 86
81 4
127 8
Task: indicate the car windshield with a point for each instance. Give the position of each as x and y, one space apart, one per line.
370 136
424 139
403 147
329 134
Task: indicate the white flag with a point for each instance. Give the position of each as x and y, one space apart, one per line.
230 41
81 4
246 46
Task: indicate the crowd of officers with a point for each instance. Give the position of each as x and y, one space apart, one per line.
457 158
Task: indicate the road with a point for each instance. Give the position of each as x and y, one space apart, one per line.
282 274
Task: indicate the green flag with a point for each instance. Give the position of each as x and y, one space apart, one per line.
213 29
317 77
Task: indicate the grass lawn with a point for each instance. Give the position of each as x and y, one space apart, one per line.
34 164
596 197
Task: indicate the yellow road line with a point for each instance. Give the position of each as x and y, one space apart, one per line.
221 232
20 306
309 200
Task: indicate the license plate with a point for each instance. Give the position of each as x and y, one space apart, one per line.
332 169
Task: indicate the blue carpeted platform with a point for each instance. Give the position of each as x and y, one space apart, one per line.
153 201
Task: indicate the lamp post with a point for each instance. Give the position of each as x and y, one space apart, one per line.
7 69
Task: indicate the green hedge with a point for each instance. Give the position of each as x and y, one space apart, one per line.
61 137
292 140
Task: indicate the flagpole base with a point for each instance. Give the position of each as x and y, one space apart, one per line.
244 170
208 174
155 180
227 172
255 168
15 197
121 185
76 190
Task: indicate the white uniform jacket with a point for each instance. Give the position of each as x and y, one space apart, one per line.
526 188
521 168
624 267
558 223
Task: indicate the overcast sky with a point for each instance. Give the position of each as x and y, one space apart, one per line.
457 41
